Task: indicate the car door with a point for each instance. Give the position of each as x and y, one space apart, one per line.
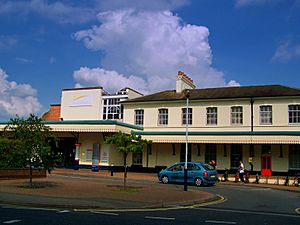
193 172
176 173
180 173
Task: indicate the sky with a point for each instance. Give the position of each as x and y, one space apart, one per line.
46 46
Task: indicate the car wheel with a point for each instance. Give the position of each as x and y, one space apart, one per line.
165 179
198 182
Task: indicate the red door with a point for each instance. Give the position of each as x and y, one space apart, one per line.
266 165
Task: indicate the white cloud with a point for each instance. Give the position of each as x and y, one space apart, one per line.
58 11
81 11
233 83
17 99
109 80
7 41
244 3
152 45
23 60
286 51
153 5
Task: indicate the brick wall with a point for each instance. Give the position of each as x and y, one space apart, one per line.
22 173
53 113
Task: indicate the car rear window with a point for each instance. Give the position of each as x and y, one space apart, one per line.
207 166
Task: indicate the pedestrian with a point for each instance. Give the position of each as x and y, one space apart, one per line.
241 171
213 164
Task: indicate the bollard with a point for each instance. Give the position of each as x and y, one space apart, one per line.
112 169
225 176
247 176
286 182
296 182
257 178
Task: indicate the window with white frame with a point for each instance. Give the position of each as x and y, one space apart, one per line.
294 114
265 114
212 115
190 116
162 116
139 117
236 115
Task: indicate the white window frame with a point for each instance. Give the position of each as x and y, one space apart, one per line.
163 117
139 117
212 116
265 116
183 116
294 114
236 115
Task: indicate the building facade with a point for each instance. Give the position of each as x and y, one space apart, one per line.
258 125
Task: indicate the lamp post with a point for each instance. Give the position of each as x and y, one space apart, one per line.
187 95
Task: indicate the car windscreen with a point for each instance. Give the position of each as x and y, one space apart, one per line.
207 166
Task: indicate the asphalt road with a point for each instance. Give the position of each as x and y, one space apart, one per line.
243 205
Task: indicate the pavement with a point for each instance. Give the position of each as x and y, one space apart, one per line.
87 190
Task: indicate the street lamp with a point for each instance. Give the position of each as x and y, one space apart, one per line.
187 95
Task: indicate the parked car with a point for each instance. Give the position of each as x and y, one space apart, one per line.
199 173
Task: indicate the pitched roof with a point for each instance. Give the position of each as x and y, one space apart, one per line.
222 93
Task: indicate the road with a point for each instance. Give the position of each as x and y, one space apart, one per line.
243 205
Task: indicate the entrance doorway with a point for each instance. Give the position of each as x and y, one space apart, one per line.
266 165
236 155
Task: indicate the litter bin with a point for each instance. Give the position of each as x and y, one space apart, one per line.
95 168
76 164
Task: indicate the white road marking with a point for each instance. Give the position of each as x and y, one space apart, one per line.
11 221
106 213
219 222
249 212
63 211
159 218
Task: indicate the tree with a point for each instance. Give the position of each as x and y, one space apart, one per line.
126 144
34 141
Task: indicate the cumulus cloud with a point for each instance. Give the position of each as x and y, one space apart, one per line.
17 99
286 51
152 45
108 79
233 83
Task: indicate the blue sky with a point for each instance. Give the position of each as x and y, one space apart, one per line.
46 46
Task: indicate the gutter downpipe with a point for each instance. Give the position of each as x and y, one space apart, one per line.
251 144
251 103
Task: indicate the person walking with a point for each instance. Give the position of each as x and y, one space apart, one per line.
213 164
241 171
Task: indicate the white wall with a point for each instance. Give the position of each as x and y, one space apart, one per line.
279 107
81 104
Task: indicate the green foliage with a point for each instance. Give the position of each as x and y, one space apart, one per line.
29 142
127 143
11 154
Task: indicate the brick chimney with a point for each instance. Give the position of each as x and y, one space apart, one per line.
183 82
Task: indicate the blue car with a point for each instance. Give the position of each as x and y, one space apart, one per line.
198 173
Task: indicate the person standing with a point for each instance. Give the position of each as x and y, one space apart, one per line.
241 171
213 164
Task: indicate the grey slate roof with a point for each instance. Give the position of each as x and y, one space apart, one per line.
222 93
